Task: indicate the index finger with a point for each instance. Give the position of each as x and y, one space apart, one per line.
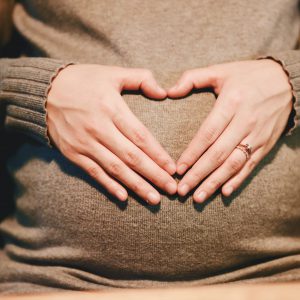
140 135
215 123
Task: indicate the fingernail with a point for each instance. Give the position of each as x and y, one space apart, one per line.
183 189
171 168
153 198
171 187
201 196
228 190
182 168
121 195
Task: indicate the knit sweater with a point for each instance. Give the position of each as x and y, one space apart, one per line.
68 233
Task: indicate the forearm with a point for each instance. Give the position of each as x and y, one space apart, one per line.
24 84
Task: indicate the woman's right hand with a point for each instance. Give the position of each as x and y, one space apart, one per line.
91 124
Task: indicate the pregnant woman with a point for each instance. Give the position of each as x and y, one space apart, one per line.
153 143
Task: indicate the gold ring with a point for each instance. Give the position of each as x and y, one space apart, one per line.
246 149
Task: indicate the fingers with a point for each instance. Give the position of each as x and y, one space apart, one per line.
138 134
214 156
98 174
195 78
230 175
120 171
211 128
230 167
137 160
236 181
135 79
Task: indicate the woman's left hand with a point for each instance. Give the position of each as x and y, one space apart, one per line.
253 106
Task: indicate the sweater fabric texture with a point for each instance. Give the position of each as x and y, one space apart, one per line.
66 232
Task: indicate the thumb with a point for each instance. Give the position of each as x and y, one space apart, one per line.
195 78
143 79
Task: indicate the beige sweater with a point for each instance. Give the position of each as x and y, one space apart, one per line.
66 231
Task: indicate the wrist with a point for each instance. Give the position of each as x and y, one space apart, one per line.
57 75
291 123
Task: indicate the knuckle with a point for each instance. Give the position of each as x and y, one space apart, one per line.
106 108
93 172
96 129
115 169
253 119
81 141
132 158
213 184
137 186
235 97
191 157
218 157
251 122
195 175
66 149
91 126
161 158
208 134
164 161
236 163
139 137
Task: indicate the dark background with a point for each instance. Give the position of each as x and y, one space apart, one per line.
13 49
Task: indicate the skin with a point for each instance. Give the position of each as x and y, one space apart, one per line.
92 126
106 139
254 102
253 105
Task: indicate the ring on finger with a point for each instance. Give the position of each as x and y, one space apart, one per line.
246 148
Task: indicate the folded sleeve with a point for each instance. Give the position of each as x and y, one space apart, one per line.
24 85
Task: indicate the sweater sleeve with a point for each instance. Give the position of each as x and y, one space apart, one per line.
290 61
24 85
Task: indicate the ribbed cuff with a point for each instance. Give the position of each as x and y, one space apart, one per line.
290 61
24 86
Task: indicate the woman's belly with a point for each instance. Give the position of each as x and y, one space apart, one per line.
65 219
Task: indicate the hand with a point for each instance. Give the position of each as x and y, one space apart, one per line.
93 127
253 105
